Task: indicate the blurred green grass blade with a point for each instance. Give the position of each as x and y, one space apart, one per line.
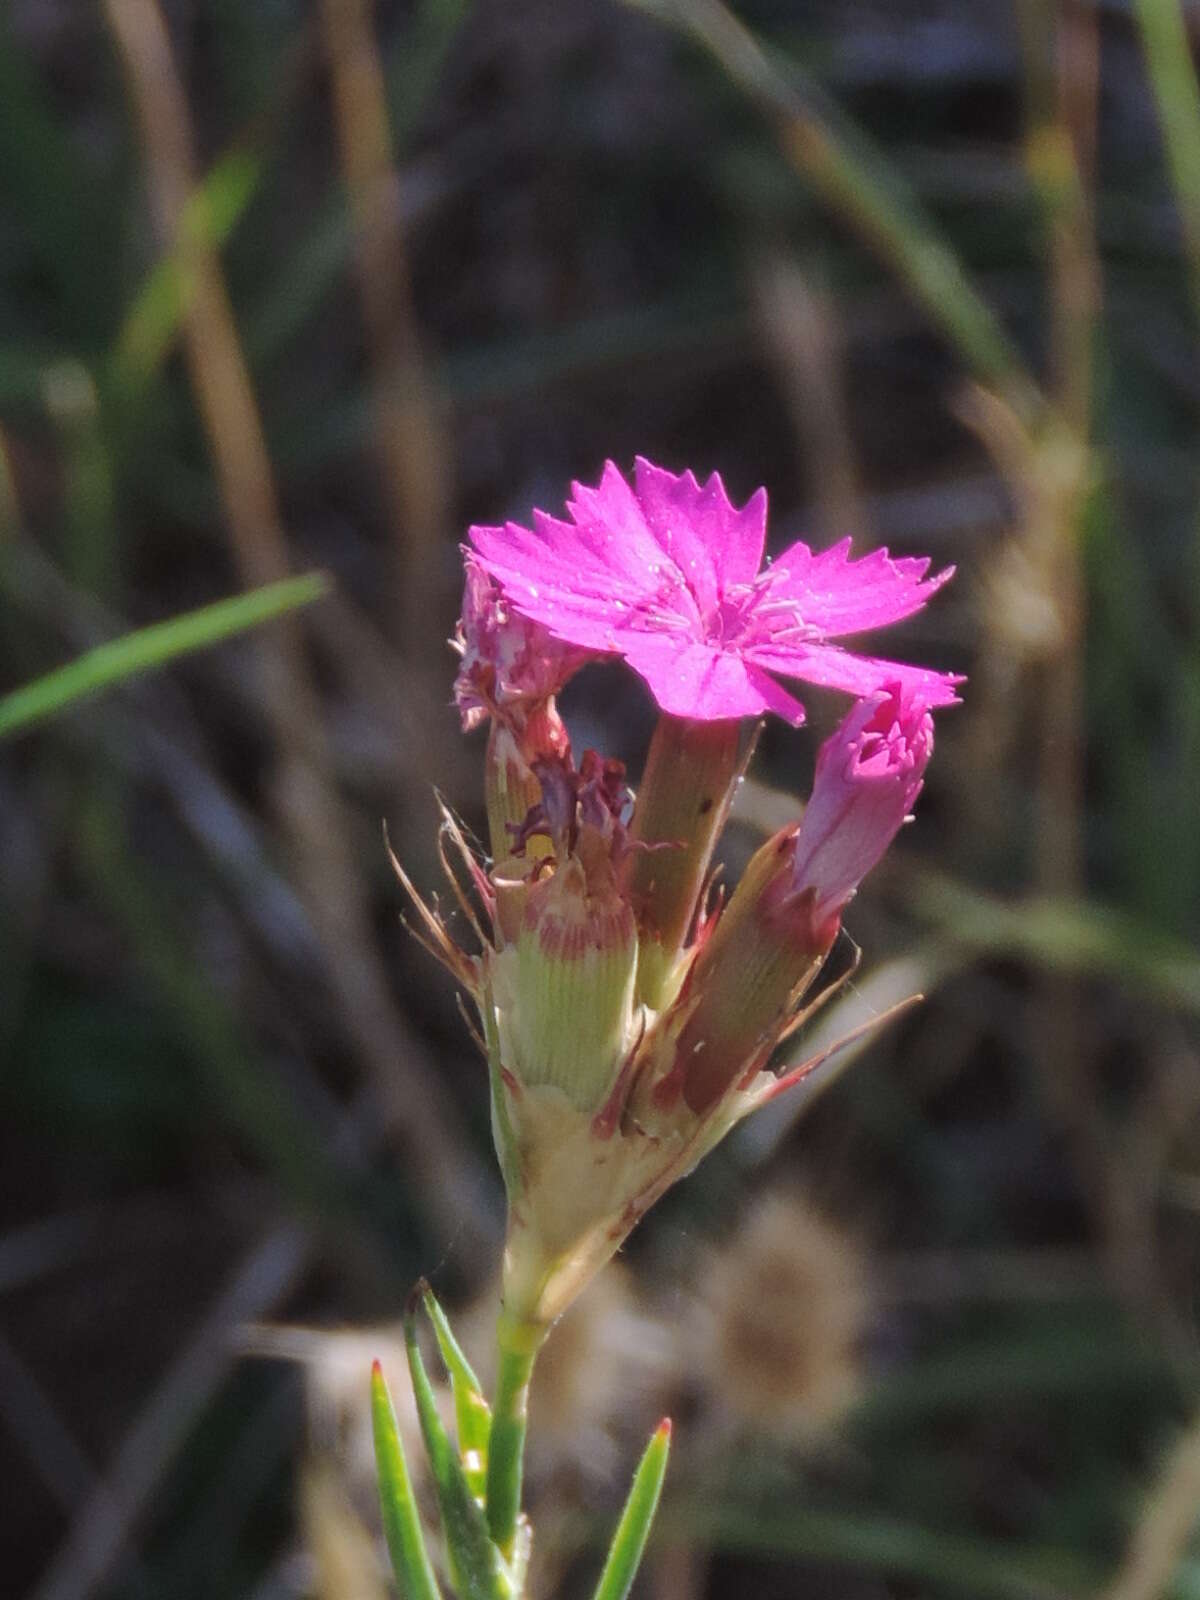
496 373
296 293
158 308
239 1087
24 369
861 186
66 217
150 647
962 1565
629 1541
1084 1353
471 1410
1168 54
411 74
1076 936
401 1519
477 1568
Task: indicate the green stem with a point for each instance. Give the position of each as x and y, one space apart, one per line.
517 1343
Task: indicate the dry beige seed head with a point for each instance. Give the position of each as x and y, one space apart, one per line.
336 1363
788 1303
345 1555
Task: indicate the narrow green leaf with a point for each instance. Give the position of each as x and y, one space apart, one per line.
629 1541
477 1568
401 1520
53 201
863 188
310 272
1061 934
153 319
1163 25
151 647
471 1410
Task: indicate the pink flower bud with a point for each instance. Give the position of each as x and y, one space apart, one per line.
785 913
869 774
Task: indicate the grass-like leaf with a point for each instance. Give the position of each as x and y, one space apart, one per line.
66 215
477 1568
401 1520
863 188
158 308
1163 25
471 1410
904 1549
1078 936
150 647
629 1541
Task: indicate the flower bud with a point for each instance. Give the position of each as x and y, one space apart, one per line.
869 774
785 914
563 979
682 803
738 991
564 987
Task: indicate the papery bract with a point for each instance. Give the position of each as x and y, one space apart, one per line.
665 573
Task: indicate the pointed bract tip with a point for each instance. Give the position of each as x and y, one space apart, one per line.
376 1371
663 1431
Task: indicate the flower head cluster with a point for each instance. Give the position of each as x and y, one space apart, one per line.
627 1023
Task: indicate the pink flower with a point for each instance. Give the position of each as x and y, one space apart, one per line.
666 574
869 774
509 663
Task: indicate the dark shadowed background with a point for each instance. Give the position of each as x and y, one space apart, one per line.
292 286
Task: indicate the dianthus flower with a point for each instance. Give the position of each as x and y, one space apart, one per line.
629 1016
665 573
